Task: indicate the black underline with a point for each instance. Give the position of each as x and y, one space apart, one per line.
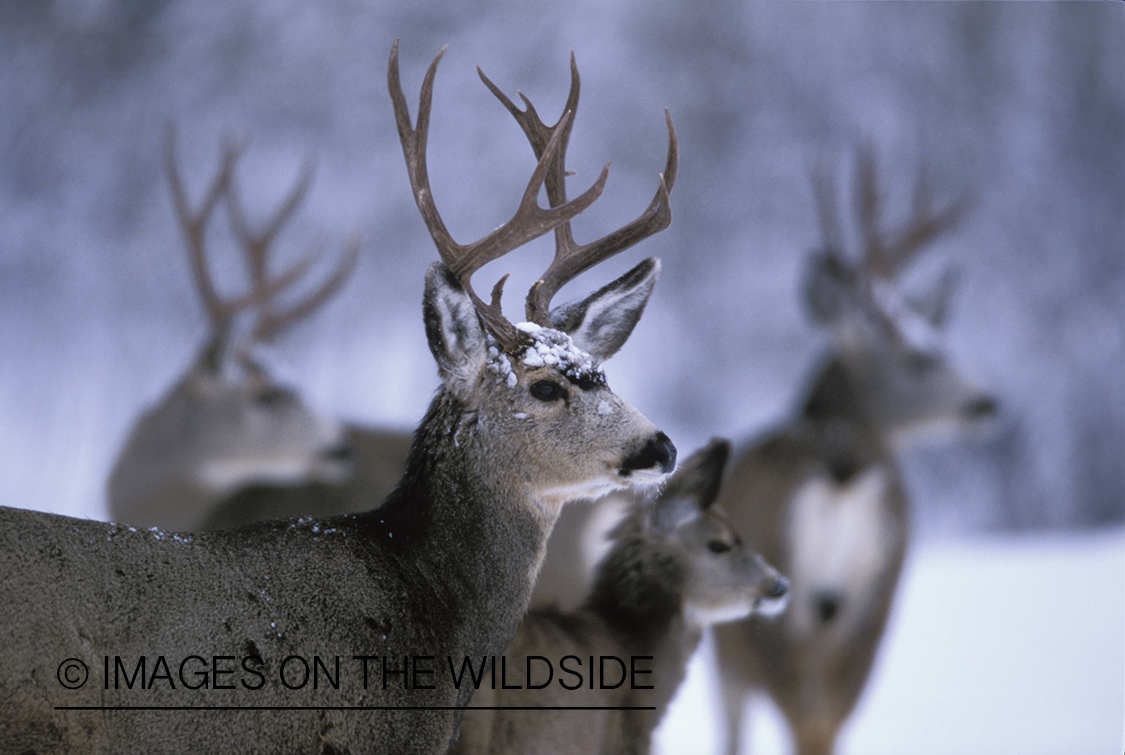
355 707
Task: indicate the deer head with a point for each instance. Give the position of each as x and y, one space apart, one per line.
690 554
888 341
540 384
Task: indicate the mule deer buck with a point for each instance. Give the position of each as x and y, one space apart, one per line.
676 566
228 422
822 497
440 572
377 454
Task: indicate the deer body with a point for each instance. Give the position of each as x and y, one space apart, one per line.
675 566
822 496
522 423
209 437
374 463
826 504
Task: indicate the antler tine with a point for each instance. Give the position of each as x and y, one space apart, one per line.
271 322
868 208
823 181
572 259
529 222
887 253
193 225
256 248
926 223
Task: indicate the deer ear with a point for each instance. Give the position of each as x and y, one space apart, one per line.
693 487
602 322
454 331
932 302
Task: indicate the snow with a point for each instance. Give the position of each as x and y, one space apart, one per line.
1012 644
555 348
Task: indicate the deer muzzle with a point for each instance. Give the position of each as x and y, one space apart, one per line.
656 454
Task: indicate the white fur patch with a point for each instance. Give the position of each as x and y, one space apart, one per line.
840 540
704 616
771 607
226 475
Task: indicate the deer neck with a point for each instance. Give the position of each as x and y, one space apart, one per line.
838 397
474 539
638 592
837 424
646 615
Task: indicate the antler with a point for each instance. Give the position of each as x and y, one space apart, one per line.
885 253
572 259
256 246
529 222
888 253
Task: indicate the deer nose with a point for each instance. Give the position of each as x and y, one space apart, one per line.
779 587
657 452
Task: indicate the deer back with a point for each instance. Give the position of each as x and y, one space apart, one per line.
375 457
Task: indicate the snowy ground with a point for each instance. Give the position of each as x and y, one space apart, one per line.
1001 644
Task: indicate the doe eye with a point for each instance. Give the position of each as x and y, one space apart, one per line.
718 546
546 390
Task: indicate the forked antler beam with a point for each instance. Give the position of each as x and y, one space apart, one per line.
529 222
884 254
255 247
572 259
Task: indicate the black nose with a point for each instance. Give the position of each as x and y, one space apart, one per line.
827 603
657 451
778 588
985 406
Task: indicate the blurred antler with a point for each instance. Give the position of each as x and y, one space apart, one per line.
256 249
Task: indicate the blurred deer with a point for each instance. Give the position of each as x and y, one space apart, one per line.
676 565
523 422
228 422
821 496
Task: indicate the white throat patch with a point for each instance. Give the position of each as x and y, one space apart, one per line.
840 539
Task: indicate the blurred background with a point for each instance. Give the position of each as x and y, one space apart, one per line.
1019 106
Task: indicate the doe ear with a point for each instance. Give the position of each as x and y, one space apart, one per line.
454 331
602 322
693 487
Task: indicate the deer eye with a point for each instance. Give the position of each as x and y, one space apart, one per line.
271 397
718 546
547 390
